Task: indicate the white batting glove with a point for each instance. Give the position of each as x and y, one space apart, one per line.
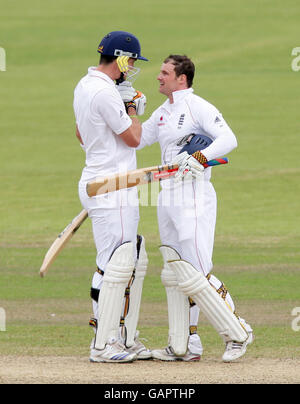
189 167
127 92
140 101
180 160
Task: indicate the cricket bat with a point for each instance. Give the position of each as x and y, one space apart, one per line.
140 176
62 239
108 184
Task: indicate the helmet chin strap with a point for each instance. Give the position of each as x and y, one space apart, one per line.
120 79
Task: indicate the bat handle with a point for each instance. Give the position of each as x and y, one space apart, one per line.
216 162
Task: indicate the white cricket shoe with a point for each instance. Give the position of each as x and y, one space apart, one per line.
139 349
114 352
235 350
167 354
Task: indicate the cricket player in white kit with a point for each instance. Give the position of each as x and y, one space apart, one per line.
108 130
187 217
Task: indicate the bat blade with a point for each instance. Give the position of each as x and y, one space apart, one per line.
60 242
140 176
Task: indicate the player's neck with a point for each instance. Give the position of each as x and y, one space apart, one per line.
108 70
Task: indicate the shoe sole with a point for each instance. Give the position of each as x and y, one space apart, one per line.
111 361
195 359
144 358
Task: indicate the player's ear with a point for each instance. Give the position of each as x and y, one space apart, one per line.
182 79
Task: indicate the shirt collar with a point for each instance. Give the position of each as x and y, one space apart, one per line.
177 97
93 72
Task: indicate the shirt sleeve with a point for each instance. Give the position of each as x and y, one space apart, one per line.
149 132
110 106
212 123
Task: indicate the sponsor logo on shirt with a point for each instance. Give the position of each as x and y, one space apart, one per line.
218 121
161 121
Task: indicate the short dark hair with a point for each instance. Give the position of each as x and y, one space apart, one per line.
183 65
107 59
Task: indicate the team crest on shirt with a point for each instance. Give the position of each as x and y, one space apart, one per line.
181 121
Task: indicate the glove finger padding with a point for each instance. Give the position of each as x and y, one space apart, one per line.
180 159
140 101
189 168
127 92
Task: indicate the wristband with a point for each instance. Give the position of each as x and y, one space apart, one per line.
200 157
130 104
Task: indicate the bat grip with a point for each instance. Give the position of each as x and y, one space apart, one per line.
216 162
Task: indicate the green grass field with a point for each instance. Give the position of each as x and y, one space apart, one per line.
242 52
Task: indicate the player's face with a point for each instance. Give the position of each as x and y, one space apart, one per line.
168 81
131 62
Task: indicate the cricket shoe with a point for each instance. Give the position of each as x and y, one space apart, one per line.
114 352
167 354
235 350
139 349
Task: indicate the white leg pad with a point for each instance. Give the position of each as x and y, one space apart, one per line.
131 320
192 283
116 277
178 305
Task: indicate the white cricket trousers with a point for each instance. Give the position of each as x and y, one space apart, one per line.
187 218
115 218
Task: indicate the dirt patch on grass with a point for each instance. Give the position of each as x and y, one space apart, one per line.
71 370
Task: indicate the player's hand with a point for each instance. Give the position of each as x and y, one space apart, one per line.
189 167
127 92
132 98
140 101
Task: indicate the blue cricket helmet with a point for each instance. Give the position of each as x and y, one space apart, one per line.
194 143
121 43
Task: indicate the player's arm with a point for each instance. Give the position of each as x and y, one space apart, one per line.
135 104
149 131
209 121
132 135
215 126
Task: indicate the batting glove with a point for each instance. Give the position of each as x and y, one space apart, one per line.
140 101
132 98
127 92
189 167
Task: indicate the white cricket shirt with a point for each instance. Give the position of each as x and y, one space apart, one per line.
100 117
189 113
